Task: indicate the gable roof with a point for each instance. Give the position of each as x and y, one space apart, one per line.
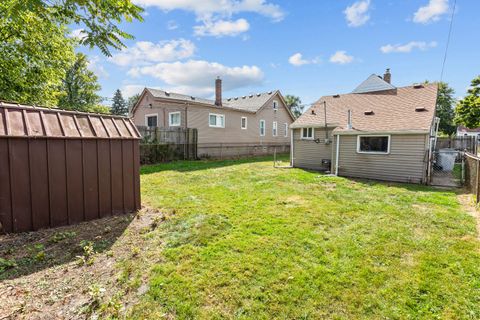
465 129
372 84
403 109
251 103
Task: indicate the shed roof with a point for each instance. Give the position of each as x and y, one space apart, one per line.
17 120
403 109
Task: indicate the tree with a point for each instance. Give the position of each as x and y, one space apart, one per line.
80 87
34 56
132 101
445 103
467 111
100 18
119 106
294 104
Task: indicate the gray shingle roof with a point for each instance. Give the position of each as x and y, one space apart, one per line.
249 103
372 84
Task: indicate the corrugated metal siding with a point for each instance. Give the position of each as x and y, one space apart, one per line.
61 167
309 154
405 163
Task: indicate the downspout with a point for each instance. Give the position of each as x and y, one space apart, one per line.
337 154
291 147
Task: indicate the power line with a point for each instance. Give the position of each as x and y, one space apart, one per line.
448 40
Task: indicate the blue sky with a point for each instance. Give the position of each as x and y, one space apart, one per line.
305 48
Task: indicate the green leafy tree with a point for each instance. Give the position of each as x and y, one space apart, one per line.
467 111
445 111
100 18
34 56
132 101
80 87
119 106
294 103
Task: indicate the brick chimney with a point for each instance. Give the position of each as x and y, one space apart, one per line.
387 77
218 92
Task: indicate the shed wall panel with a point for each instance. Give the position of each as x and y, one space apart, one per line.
104 177
20 186
90 175
5 201
57 175
117 176
75 181
39 184
128 181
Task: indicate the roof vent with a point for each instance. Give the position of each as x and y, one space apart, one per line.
420 109
236 98
244 97
258 94
250 96
417 85
167 93
336 96
229 99
192 97
270 92
368 112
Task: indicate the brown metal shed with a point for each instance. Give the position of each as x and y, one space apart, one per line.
61 167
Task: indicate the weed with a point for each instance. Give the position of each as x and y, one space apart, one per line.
60 236
6 264
88 257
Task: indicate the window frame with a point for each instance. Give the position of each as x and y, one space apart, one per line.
274 129
151 115
374 135
285 127
306 137
217 115
262 134
275 105
170 119
241 123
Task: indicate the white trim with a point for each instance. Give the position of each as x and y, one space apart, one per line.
373 135
274 129
150 115
264 127
246 123
217 115
285 127
306 137
337 155
170 124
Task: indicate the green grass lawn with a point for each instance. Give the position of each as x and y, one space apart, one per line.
245 240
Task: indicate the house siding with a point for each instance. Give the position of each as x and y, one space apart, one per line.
406 161
231 140
307 153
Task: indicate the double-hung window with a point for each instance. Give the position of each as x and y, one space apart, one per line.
375 144
285 127
151 120
307 133
216 120
174 119
262 128
243 123
274 129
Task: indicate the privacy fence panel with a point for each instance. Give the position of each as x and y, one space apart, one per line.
59 167
472 175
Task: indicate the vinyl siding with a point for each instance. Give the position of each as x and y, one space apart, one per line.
307 153
406 161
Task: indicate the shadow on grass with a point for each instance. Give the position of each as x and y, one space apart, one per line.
195 165
25 253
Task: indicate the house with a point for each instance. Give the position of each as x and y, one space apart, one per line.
231 126
378 131
466 132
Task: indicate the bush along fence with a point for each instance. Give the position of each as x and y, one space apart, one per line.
472 174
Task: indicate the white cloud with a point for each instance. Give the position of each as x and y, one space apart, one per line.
196 77
172 25
357 14
207 8
408 47
222 28
298 60
144 52
431 12
341 57
77 33
95 65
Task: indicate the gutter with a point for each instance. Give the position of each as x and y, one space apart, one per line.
337 153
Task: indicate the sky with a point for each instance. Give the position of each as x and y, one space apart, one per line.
306 48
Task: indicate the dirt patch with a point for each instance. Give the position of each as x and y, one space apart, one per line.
467 202
71 272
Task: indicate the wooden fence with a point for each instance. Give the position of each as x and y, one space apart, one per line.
472 174
460 143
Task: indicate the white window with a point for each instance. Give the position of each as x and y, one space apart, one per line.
262 128
274 129
275 105
243 123
373 144
151 120
307 133
216 120
285 126
174 119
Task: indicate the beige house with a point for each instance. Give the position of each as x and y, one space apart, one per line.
231 126
378 132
